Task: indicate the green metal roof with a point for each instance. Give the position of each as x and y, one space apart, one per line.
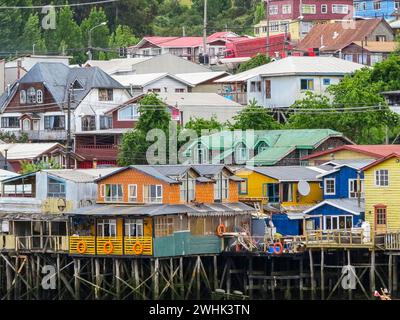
270 156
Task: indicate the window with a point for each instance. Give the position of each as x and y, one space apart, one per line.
307 84
284 26
308 9
243 186
179 90
221 188
353 188
88 123
255 86
188 188
287 194
106 95
10 122
201 154
286 9
31 95
330 186
324 8
54 122
153 194
113 193
381 38
132 193
381 178
271 191
77 85
164 226
274 26
55 188
273 10
242 154
129 113
157 90
397 5
380 215
360 6
338 222
134 228
107 228
326 81
105 122
22 96
39 96
268 89
377 5
340 8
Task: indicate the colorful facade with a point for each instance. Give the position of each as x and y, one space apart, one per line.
387 9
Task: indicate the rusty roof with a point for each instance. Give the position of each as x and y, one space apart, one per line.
378 46
335 36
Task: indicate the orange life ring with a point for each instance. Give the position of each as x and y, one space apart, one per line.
276 246
108 247
138 248
81 247
221 230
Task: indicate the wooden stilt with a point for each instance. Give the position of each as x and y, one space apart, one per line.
312 274
395 275
229 276
301 282
215 272
117 278
349 264
322 274
390 273
372 273
198 284
181 279
77 281
98 279
8 281
272 278
156 279
251 281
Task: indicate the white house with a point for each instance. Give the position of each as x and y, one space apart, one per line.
280 83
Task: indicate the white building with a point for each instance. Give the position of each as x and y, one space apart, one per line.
280 83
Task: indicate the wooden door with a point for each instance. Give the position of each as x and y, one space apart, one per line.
380 213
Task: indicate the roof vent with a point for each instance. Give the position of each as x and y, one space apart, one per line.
335 35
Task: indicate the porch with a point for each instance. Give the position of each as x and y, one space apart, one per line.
101 147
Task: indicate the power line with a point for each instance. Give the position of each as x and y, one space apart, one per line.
57 5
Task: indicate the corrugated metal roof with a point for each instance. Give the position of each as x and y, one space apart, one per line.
20 151
116 65
197 99
141 80
378 46
200 77
349 205
289 173
81 175
332 37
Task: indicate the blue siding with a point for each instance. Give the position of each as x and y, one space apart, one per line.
328 210
342 182
386 10
285 226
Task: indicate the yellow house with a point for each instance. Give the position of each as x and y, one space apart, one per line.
289 186
382 194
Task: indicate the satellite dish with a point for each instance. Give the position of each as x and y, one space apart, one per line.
304 188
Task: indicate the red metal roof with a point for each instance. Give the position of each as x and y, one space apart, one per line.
373 164
375 151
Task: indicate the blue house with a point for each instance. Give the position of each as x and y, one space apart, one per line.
376 9
343 194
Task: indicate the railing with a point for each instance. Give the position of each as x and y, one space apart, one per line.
239 97
392 240
146 242
109 246
82 245
88 146
355 237
98 151
45 134
41 243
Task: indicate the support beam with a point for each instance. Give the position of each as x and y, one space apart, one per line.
322 274
312 274
372 273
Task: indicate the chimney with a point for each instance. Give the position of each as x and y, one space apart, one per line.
19 66
94 163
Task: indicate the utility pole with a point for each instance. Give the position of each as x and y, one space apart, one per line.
69 127
267 19
205 53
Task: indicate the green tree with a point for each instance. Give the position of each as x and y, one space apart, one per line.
32 36
199 124
258 60
254 117
99 35
259 13
122 37
153 115
28 167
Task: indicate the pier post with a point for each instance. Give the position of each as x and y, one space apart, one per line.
301 284
390 273
322 274
395 276
77 281
312 274
372 273
349 263
98 279
251 281
181 278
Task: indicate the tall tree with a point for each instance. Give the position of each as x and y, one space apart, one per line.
32 36
122 37
199 124
254 62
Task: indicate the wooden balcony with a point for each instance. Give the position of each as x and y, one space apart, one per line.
7 243
102 152
110 246
392 240
354 238
51 135
239 97
34 243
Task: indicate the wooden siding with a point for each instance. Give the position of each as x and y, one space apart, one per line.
339 155
388 196
205 192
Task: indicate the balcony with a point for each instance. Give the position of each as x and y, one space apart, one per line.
90 245
51 135
102 152
41 243
239 97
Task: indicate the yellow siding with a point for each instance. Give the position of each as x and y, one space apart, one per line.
255 188
388 196
339 155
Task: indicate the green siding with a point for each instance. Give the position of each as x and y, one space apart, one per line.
183 243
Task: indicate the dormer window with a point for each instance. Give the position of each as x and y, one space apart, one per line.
39 96
187 188
77 85
242 153
31 95
106 95
22 96
221 188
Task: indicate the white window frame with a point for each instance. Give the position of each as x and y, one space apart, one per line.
135 112
326 189
375 6
102 190
158 198
138 223
132 198
324 8
114 198
22 97
39 96
312 7
112 227
351 190
344 8
397 5
273 10
286 9
378 179
337 217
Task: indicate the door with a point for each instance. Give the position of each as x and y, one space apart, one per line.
36 125
26 125
380 219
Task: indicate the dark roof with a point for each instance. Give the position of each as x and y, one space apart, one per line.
336 36
166 209
289 173
57 77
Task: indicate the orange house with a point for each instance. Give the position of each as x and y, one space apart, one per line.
160 211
